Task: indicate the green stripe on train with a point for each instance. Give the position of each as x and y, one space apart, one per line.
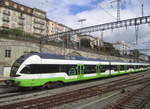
40 82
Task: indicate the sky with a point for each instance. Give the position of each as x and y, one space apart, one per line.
95 12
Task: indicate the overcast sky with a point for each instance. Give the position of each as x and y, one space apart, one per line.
95 12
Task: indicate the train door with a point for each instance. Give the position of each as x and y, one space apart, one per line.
98 69
80 71
125 68
118 68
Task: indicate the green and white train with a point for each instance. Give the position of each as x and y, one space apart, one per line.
43 69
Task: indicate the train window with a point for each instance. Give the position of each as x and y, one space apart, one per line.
105 67
26 70
131 66
136 67
122 67
16 66
72 71
114 67
90 69
141 66
69 69
37 69
65 68
128 67
145 66
46 68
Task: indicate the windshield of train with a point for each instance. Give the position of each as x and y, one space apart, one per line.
16 66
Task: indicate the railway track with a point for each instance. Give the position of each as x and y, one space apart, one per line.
17 92
66 97
135 99
3 86
138 100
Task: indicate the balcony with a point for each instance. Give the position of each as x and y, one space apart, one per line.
5 25
6 19
39 15
37 33
39 27
21 17
5 12
39 22
21 28
21 23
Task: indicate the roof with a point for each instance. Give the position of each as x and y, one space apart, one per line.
57 56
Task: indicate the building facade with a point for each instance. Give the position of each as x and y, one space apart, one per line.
94 41
55 27
123 47
17 16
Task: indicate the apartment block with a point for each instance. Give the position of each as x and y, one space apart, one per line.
55 27
123 47
17 16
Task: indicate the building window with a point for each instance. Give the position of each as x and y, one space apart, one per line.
29 10
22 8
15 6
6 3
6 12
8 53
5 18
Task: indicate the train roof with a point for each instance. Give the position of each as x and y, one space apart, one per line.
56 56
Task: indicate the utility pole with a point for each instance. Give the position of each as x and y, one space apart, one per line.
137 33
137 36
41 44
142 10
102 35
81 21
118 9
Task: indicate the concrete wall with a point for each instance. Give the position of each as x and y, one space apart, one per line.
6 72
19 48
1 71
